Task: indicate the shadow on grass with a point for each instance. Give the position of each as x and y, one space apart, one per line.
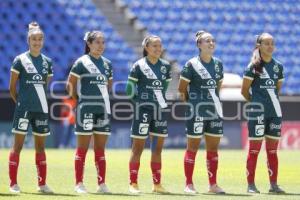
114 194
229 194
8 195
54 194
284 194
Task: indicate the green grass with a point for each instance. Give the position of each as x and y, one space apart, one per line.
231 175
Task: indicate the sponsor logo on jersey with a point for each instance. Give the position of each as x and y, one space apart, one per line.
163 124
143 128
36 79
41 122
198 127
29 68
216 124
163 69
276 68
259 130
23 124
210 84
269 84
100 79
275 126
87 124
156 85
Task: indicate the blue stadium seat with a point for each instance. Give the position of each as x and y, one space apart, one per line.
234 25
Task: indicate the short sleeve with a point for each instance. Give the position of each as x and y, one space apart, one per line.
168 75
16 66
50 68
249 72
221 72
186 73
76 69
281 74
133 75
110 75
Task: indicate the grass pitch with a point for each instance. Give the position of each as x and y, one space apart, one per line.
231 175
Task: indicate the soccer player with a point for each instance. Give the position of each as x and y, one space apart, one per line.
261 85
33 70
89 81
150 75
203 74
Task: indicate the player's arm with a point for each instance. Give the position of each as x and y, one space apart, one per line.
279 85
72 86
219 85
13 85
245 88
182 88
130 88
110 83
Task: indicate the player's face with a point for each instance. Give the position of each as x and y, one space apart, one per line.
36 42
207 44
97 46
267 46
154 48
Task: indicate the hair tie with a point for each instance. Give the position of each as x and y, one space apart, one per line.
86 35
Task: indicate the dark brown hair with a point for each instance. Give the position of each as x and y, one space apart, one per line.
256 58
89 37
146 42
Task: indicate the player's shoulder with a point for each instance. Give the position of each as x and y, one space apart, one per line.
164 62
106 60
190 62
277 62
217 61
46 58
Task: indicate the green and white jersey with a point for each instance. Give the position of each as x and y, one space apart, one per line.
33 73
203 81
151 81
263 89
93 75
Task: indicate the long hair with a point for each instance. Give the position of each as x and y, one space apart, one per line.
256 59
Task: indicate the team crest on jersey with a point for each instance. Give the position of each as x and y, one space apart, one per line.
163 69
44 71
217 67
45 64
105 65
276 68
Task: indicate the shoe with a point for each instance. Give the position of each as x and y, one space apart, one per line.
158 188
80 188
276 189
189 189
102 188
134 188
252 188
44 189
215 189
14 189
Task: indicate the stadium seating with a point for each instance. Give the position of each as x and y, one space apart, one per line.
234 25
64 23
